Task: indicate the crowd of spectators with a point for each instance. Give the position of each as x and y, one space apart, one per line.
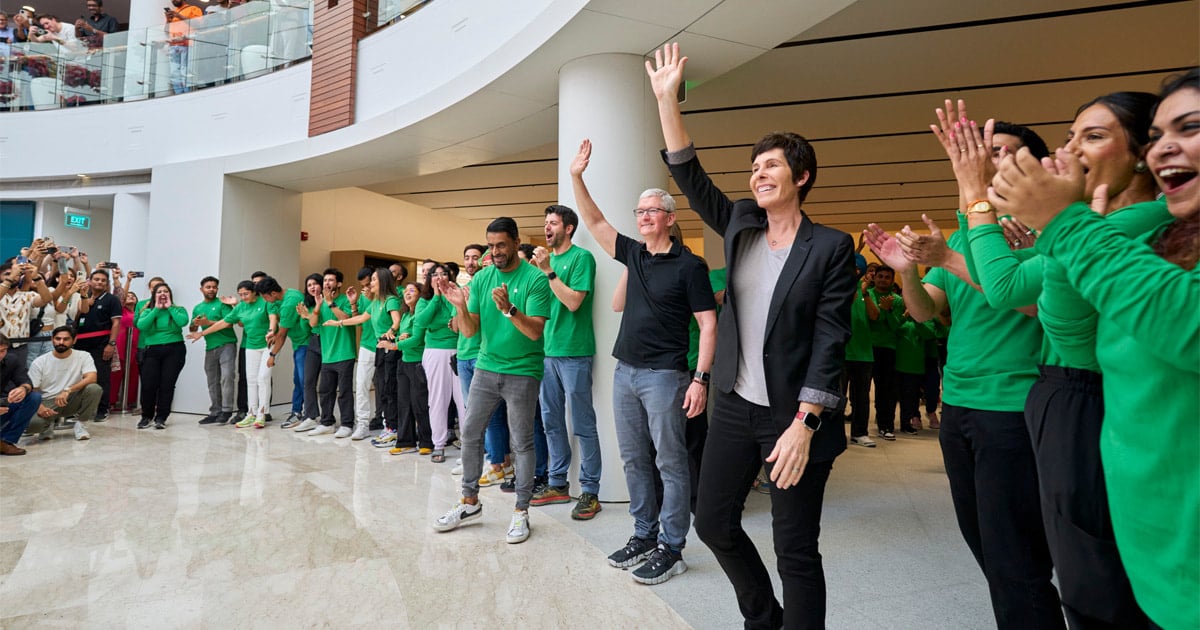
1059 313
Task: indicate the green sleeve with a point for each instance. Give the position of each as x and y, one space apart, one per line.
416 333
179 315
1007 282
288 317
233 316
1150 298
427 311
144 319
1067 319
964 227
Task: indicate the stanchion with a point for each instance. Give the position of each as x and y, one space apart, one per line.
122 400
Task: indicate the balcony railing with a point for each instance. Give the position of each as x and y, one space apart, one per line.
241 42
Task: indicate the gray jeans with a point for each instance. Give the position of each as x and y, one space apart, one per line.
520 393
220 366
82 403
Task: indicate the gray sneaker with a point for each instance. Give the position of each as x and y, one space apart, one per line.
662 565
632 553
80 432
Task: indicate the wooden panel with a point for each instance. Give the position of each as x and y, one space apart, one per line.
336 33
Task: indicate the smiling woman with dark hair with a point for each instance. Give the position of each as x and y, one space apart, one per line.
780 345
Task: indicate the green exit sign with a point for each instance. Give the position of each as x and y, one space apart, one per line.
78 221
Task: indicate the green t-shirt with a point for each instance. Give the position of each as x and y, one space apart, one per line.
412 348
434 316
883 330
381 318
255 320
297 327
567 333
910 346
215 310
859 347
468 347
992 354
504 349
137 310
162 326
337 342
365 340
1148 348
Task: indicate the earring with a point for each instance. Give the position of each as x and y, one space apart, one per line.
1140 167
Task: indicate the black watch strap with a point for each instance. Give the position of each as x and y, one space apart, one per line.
551 276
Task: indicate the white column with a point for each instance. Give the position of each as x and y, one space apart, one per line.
143 15
607 98
130 222
202 222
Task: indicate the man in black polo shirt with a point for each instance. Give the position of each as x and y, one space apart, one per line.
97 328
654 393
96 24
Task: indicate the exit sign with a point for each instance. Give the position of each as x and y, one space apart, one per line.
78 221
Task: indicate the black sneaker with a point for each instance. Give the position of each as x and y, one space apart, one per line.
100 417
267 418
662 565
160 424
211 419
634 551
508 485
224 418
908 430
144 423
236 417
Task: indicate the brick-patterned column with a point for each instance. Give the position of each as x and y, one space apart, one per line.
338 25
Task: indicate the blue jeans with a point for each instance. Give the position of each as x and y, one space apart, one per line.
648 409
177 58
495 441
35 349
13 423
568 384
298 357
541 452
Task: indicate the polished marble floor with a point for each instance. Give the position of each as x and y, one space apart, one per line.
214 527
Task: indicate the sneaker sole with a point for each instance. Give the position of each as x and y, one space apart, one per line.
676 569
516 540
554 501
585 516
466 520
638 559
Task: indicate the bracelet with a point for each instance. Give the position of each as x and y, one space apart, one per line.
700 382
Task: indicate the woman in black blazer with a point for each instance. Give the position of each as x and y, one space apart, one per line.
780 344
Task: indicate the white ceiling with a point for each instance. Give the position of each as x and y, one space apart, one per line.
862 86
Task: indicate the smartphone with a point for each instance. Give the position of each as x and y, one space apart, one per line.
72 250
21 260
108 265
137 274
80 275
51 250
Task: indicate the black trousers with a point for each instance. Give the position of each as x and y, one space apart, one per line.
337 379
994 485
242 405
931 386
741 436
858 375
1064 412
909 388
386 364
160 368
312 375
412 406
884 375
95 347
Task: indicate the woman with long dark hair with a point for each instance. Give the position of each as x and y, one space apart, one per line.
312 358
380 320
1143 288
161 324
413 433
433 314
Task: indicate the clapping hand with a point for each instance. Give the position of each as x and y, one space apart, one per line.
541 258
457 295
500 297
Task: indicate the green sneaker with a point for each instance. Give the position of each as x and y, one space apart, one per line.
246 422
551 495
587 507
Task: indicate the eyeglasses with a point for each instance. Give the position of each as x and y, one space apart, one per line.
640 212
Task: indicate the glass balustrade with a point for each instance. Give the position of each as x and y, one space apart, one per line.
237 43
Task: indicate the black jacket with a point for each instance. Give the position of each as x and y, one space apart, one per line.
12 375
808 323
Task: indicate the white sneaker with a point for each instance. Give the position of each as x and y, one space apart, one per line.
385 439
863 440
308 425
80 432
461 513
518 527
322 430
457 470
343 432
362 431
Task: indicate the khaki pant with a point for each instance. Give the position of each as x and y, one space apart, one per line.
82 403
